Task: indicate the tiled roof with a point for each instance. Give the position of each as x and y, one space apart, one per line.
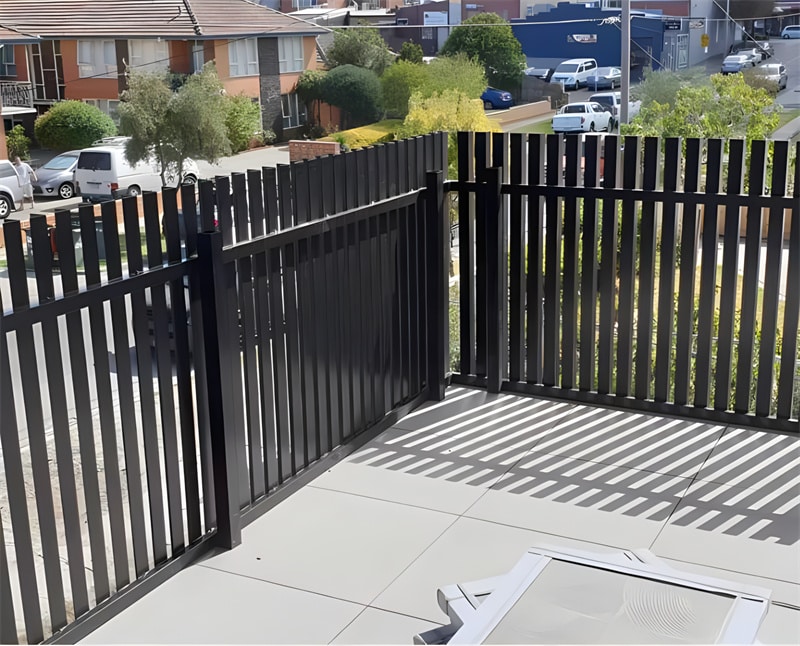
170 19
9 35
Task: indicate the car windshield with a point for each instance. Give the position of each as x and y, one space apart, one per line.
607 100
62 162
567 67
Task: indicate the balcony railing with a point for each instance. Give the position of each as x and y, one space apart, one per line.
16 94
289 313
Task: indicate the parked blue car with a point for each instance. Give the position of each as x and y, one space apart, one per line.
494 99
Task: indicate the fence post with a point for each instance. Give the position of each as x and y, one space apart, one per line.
216 346
438 332
495 266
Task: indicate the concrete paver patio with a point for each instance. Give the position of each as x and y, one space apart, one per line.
458 491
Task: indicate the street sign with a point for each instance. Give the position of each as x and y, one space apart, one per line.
704 40
670 24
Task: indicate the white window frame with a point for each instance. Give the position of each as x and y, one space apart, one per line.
100 61
148 55
291 56
243 57
8 66
296 109
198 56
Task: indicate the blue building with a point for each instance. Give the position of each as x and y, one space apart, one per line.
580 31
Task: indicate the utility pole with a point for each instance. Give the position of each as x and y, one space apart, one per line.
625 66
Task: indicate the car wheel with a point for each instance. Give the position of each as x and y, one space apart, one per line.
189 180
591 127
66 191
134 191
5 207
487 105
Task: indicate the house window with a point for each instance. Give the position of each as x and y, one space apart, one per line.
198 56
97 59
294 112
243 57
7 66
109 106
148 55
290 54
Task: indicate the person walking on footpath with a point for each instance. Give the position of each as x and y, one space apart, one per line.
26 176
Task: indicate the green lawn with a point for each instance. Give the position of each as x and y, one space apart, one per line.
540 127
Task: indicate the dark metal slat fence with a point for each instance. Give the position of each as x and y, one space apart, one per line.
676 307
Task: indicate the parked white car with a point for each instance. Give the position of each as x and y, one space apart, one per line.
586 116
10 189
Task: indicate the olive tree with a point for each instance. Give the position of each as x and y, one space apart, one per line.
172 126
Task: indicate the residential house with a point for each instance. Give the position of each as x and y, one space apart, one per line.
258 51
16 96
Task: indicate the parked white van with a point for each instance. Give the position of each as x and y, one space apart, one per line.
103 172
573 73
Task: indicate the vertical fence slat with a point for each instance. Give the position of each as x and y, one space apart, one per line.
569 305
466 255
254 486
609 229
516 365
57 396
15 476
416 276
627 269
772 276
343 330
481 156
708 278
588 284
290 297
647 267
437 280
271 199
8 622
687 267
222 198
535 287
552 264
321 325
331 337
102 371
791 312
308 349
730 276
752 256
279 358
255 203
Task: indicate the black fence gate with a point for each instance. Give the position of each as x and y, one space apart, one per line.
162 383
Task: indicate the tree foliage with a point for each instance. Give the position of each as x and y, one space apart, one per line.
309 89
173 126
663 85
487 37
362 47
449 110
72 124
355 90
411 52
457 72
398 83
727 108
242 121
18 143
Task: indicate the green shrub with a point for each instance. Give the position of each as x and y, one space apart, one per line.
18 143
268 136
411 52
355 90
398 83
375 133
72 124
242 120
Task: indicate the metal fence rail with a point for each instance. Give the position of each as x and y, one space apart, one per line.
659 275
171 368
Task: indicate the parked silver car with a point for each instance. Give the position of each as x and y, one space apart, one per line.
56 177
736 63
